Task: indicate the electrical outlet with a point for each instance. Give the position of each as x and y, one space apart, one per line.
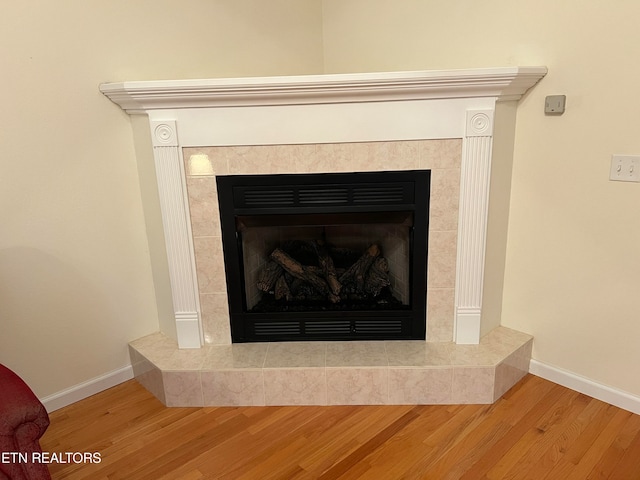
625 168
554 104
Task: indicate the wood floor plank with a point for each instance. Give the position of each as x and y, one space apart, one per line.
547 433
580 469
308 422
569 434
346 437
529 432
369 446
627 467
616 452
522 412
407 447
537 430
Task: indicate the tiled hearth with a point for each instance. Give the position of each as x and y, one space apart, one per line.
332 373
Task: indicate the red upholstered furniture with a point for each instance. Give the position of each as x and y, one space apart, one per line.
23 420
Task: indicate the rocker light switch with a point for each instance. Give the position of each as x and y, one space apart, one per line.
554 104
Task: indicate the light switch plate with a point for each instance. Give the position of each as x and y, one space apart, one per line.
625 168
554 104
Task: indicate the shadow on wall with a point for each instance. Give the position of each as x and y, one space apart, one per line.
54 319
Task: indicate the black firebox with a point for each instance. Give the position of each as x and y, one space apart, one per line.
336 256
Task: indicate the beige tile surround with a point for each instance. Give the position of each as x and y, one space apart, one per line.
332 373
442 157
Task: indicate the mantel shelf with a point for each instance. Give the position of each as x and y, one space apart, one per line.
506 83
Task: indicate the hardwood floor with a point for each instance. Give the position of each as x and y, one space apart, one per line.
538 430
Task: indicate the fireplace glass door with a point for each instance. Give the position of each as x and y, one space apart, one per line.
326 257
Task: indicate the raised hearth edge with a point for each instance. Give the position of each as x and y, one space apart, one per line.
332 373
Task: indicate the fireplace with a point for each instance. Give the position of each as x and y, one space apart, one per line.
339 256
437 121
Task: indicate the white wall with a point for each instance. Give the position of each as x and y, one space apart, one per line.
76 280
572 271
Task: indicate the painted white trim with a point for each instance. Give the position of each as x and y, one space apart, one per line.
467 325
506 83
174 206
188 327
619 398
473 213
323 123
86 389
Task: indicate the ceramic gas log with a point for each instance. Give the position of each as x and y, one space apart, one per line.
358 277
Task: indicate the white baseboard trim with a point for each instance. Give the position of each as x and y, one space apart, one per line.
86 389
619 398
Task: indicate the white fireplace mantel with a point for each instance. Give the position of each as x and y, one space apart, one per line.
387 106
502 83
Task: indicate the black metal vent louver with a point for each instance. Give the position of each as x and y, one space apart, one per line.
315 196
379 194
392 326
326 328
270 197
329 195
272 328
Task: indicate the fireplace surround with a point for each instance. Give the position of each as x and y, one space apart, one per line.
442 121
327 110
